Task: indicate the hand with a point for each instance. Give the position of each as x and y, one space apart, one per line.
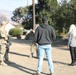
34 43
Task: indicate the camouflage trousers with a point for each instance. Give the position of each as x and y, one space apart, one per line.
6 54
33 49
2 52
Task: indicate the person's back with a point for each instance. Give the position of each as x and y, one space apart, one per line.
44 35
72 36
72 40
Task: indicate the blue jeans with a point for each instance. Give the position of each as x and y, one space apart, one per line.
48 50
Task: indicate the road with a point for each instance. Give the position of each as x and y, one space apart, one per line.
21 64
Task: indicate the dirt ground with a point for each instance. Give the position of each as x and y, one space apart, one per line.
21 64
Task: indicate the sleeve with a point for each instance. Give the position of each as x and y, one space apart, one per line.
53 34
36 35
69 39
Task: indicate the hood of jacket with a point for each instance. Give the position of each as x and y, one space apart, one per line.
45 26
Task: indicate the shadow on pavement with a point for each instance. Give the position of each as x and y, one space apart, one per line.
21 41
21 68
18 54
58 62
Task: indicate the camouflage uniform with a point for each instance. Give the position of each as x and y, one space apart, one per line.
8 44
3 41
33 49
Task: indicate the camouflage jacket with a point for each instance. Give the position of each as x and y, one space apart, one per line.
3 36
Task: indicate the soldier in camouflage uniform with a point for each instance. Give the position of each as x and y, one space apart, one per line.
3 41
8 44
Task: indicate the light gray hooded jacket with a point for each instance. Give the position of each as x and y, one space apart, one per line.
71 40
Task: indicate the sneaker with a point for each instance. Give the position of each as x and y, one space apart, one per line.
36 74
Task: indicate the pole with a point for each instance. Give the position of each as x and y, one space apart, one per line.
33 4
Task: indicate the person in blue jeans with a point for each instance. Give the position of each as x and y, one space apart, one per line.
44 35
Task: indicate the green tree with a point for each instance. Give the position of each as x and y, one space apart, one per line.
20 12
48 8
60 16
65 16
73 5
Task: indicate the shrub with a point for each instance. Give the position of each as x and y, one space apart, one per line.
15 32
59 37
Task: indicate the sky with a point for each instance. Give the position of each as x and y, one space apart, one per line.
8 6
11 5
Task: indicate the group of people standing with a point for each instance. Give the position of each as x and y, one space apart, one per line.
44 36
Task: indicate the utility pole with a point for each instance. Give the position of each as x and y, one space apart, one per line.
33 5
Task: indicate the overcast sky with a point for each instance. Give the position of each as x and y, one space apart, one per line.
11 5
